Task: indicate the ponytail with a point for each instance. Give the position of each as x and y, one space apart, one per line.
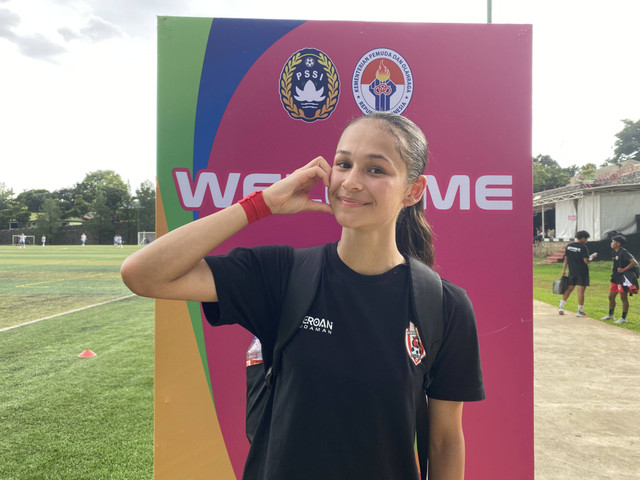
414 236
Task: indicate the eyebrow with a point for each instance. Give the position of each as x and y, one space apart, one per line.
371 156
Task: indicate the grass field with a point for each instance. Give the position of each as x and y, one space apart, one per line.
37 281
63 417
596 295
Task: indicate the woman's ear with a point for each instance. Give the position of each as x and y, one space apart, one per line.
415 192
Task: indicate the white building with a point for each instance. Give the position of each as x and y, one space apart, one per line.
609 201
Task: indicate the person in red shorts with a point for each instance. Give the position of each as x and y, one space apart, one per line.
624 280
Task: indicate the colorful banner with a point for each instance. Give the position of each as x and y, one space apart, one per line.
243 102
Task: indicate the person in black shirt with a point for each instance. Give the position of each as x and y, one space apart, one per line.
337 411
623 282
577 258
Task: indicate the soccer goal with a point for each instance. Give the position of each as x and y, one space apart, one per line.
146 237
28 240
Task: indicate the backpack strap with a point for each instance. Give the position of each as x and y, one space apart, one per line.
426 298
302 286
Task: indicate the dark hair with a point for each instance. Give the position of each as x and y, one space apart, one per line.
582 234
621 239
413 234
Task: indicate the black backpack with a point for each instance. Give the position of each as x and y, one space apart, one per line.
304 279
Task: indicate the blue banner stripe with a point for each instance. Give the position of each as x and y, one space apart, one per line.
233 47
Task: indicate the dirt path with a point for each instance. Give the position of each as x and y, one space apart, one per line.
586 398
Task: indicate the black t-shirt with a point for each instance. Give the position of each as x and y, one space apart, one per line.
621 259
344 400
576 252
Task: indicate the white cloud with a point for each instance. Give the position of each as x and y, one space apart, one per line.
94 30
35 46
8 21
39 47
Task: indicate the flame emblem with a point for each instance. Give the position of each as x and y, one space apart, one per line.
382 81
383 74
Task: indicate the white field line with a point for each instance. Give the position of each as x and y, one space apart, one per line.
65 313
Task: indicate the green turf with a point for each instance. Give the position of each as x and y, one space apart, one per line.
596 296
37 281
64 417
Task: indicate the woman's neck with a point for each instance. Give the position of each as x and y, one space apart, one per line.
369 253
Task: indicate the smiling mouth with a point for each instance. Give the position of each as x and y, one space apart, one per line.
350 202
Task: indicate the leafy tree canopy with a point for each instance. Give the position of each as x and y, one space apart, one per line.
587 172
627 146
115 193
11 209
49 220
548 174
34 199
146 208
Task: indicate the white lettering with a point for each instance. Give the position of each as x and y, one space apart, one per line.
317 324
441 194
484 190
192 199
457 183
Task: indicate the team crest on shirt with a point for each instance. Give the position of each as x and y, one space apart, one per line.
414 345
309 85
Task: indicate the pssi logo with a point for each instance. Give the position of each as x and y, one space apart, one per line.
382 82
309 85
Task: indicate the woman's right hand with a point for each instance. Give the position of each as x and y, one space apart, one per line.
291 194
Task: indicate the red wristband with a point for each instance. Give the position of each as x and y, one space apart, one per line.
255 206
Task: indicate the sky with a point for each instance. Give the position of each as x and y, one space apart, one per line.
78 77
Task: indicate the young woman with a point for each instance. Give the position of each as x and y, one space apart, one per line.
344 402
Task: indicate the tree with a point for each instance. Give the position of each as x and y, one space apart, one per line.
587 172
101 225
627 146
11 210
6 196
65 200
49 219
114 191
34 199
548 174
146 215
104 195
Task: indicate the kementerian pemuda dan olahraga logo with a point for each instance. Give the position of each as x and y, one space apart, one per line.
309 85
382 82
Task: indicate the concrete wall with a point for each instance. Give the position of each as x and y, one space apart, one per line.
546 249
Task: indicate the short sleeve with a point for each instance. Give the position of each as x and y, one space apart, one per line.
456 373
250 283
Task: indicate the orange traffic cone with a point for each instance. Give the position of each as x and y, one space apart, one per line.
87 354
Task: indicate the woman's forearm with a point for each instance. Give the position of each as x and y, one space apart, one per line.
446 460
173 265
